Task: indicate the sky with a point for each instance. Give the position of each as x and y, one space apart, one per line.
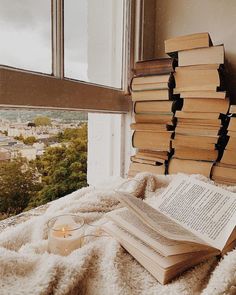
25 34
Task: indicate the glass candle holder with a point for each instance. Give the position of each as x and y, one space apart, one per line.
65 234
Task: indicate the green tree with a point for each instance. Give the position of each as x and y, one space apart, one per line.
19 182
20 137
63 169
73 133
42 121
29 140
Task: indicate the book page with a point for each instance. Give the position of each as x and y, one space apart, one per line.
204 209
124 237
127 220
156 220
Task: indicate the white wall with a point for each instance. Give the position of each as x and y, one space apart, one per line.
109 146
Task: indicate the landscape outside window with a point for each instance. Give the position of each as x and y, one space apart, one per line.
43 156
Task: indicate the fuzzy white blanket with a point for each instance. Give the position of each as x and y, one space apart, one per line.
101 266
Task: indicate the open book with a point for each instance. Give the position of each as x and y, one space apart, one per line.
192 221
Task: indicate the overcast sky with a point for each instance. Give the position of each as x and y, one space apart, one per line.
25 34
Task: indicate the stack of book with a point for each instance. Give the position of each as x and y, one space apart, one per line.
225 171
154 107
199 79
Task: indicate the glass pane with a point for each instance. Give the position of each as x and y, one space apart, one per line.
25 34
93 41
50 146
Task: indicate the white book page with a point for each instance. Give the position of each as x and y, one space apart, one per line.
127 220
125 238
204 209
156 220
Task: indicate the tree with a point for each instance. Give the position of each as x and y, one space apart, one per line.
73 133
19 182
64 168
30 140
20 137
42 121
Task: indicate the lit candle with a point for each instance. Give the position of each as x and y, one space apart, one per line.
65 234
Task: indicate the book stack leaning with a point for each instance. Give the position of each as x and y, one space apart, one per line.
224 171
154 107
199 79
179 231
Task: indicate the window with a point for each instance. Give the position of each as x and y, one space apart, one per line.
43 156
93 41
25 34
96 51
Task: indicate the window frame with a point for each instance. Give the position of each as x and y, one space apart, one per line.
22 88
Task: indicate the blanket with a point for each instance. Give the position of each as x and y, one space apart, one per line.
101 266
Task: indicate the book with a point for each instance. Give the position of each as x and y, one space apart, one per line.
153 82
232 124
151 127
191 141
231 144
157 106
137 159
135 168
232 109
199 56
159 94
160 141
165 238
195 79
197 130
203 94
224 174
158 118
197 115
158 66
192 41
206 105
195 153
200 122
190 167
157 156
229 157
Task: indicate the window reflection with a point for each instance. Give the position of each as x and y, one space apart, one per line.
93 41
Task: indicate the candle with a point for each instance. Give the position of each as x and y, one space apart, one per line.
65 234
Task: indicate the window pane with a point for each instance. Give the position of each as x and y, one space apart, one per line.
43 156
93 41
25 34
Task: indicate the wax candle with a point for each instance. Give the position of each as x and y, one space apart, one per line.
65 234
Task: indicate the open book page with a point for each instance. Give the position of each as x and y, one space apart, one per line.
125 238
162 268
207 211
127 220
156 220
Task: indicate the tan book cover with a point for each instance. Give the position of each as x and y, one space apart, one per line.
190 167
152 140
199 56
192 41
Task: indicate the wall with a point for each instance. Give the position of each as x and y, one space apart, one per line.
218 17
109 146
